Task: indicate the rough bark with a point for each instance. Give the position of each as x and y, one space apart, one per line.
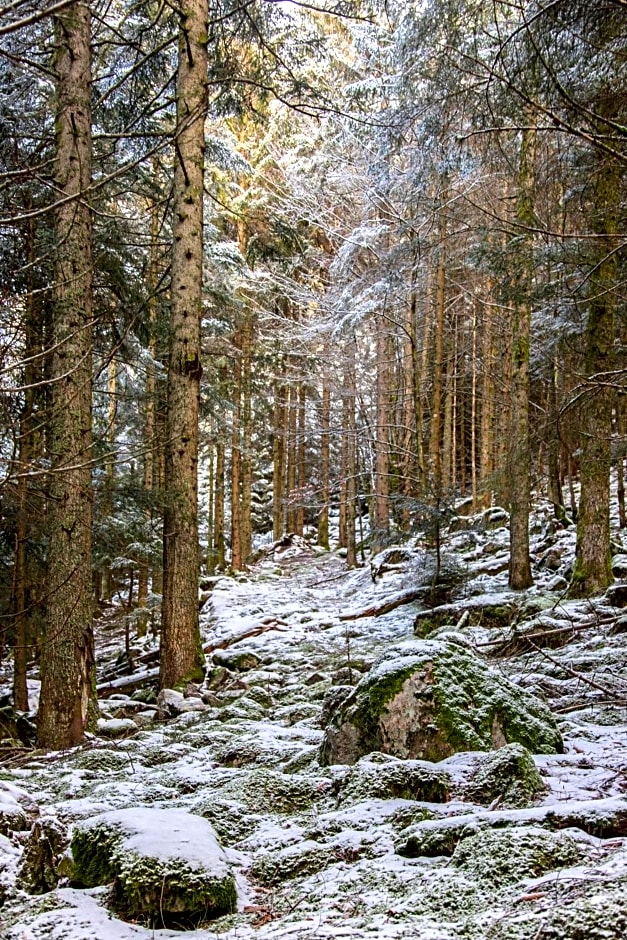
181 652
519 455
593 572
67 668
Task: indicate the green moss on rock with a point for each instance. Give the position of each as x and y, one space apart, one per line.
396 779
507 856
165 867
508 775
428 700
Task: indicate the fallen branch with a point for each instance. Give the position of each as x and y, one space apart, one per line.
270 623
377 609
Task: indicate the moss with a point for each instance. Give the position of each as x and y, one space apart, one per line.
408 780
507 856
306 858
93 854
509 775
475 706
600 915
170 893
263 791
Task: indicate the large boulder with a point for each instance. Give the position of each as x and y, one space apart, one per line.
166 866
429 700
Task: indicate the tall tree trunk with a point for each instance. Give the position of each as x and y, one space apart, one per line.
519 456
67 698
246 538
325 456
486 454
181 651
237 561
381 513
300 459
292 426
593 571
279 434
351 451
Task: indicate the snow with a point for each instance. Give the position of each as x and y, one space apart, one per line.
246 769
167 834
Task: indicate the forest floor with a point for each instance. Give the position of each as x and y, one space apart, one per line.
311 860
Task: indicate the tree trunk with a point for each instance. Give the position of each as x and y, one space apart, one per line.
278 458
67 700
300 459
518 456
325 457
182 658
381 513
237 561
593 571
351 450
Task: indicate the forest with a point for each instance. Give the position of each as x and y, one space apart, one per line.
312 321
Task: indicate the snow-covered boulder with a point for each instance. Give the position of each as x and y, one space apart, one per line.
508 776
171 703
166 866
379 776
429 700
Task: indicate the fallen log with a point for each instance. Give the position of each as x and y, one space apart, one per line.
270 623
407 597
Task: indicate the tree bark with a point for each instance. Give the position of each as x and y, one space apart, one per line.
67 698
181 652
593 571
519 457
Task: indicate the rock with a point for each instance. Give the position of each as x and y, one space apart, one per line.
619 626
508 775
171 703
506 856
115 727
557 584
333 700
43 854
16 809
616 595
166 866
395 780
619 566
240 661
431 699
293 861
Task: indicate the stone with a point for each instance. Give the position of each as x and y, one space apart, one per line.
115 727
427 700
171 703
507 856
619 566
395 780
43 855
236 661
166 866
508 776
616 594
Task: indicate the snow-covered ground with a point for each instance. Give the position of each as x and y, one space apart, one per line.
312 860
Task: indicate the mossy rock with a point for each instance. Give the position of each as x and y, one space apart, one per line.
507 856
430 839
103 760
268 791
236 661
231 819
305 858
396 780
166 867
43 856
427 700
509 776
601 914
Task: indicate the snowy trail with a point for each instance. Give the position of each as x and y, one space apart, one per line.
310 863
